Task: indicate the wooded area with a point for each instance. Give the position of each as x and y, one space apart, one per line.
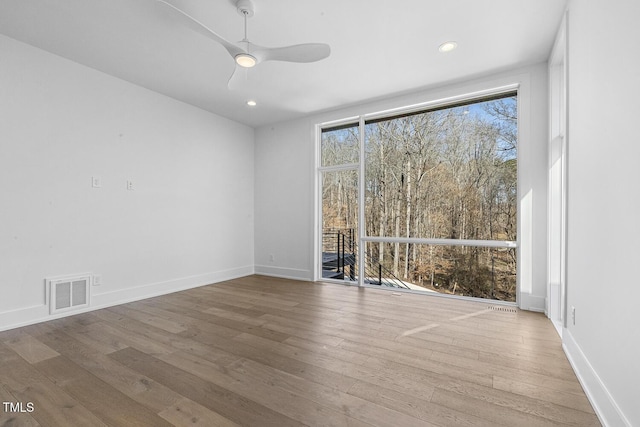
449 173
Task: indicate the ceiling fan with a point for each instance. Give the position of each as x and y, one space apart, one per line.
245 53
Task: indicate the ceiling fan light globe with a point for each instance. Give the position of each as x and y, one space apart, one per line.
245 60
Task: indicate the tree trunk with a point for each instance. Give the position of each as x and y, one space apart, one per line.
408 218
396 257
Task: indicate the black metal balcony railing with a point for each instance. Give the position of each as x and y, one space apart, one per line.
339 260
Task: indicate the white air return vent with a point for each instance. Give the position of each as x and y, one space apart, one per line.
68 293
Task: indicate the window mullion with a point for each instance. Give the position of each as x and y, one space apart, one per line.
361 213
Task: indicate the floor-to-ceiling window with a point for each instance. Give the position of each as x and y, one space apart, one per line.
339 171
434 194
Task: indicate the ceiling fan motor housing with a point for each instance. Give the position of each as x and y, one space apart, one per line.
245 8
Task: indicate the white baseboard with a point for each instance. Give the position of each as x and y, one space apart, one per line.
30 315
558 326
603 403
284 273
25 316
531 302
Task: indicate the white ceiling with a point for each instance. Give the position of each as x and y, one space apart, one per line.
379 47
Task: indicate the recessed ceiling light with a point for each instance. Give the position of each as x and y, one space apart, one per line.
448 46
251 103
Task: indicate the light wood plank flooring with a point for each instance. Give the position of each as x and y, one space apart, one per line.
260 351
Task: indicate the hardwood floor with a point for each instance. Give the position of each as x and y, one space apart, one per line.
260 351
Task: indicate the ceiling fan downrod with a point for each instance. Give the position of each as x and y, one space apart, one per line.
245 60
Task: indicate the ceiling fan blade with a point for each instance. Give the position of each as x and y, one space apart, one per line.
199 27
308 52
237 77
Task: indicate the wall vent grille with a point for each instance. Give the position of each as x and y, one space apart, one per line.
68 293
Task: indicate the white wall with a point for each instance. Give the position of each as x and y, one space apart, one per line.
284 203
603 200
285 180
188 222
